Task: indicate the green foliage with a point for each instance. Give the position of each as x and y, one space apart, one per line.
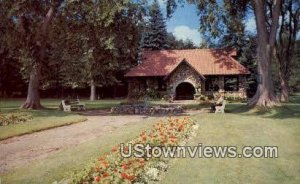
173 43
12 80
155 37
86 40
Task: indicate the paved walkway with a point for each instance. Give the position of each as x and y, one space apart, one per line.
21 150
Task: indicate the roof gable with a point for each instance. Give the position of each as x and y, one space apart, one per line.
204 61
180 64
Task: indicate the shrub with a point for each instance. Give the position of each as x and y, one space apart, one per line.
14 118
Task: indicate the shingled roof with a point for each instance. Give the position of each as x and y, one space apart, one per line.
205 61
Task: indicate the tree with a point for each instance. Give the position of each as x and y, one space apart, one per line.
108 34
10 78
211 16
285 45
174 43
31 20
155 37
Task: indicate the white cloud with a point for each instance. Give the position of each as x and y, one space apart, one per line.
251 25
161 2
185 32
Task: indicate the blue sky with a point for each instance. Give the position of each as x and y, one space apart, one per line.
184 23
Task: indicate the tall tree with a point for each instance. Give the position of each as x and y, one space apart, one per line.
31 20
108 32
285 45
155 37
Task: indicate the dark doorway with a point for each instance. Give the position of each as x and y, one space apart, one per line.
185 91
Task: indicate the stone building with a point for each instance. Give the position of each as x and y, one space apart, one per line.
187 74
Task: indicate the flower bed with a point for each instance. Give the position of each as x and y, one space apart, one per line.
113 168
14 118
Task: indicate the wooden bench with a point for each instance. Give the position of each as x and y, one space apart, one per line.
221 108
64 106
68 105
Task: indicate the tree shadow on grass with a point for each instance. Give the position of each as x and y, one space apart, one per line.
287 110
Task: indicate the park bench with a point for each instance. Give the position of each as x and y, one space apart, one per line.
221 108
64 106
68 105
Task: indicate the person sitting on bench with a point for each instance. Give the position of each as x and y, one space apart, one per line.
219 102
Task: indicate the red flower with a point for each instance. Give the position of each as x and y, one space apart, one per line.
105 174
97 178
126 149
124 175
125 167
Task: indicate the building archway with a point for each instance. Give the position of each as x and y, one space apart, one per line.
185 91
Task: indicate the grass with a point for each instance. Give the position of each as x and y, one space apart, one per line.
47 118
62 164
10 104
277 127
240 126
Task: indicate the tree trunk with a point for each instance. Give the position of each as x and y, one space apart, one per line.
264 96
93 91
33 97
284 89
266 37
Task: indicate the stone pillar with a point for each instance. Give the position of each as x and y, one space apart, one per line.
132 88
221 82
129 87
242 86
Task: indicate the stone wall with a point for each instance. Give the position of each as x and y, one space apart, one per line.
147 110
240 94
133 87
184 73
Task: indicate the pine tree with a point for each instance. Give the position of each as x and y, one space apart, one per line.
155 37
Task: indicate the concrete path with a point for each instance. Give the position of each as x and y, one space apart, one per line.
21 150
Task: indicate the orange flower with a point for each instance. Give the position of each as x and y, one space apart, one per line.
100 158
172 137
125 166
125 176
144 138
115 149
181 127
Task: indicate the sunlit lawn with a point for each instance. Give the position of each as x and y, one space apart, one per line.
46 118
8 104
279 127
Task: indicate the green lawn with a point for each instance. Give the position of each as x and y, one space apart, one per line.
238 127
8 104
49 117
279 127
